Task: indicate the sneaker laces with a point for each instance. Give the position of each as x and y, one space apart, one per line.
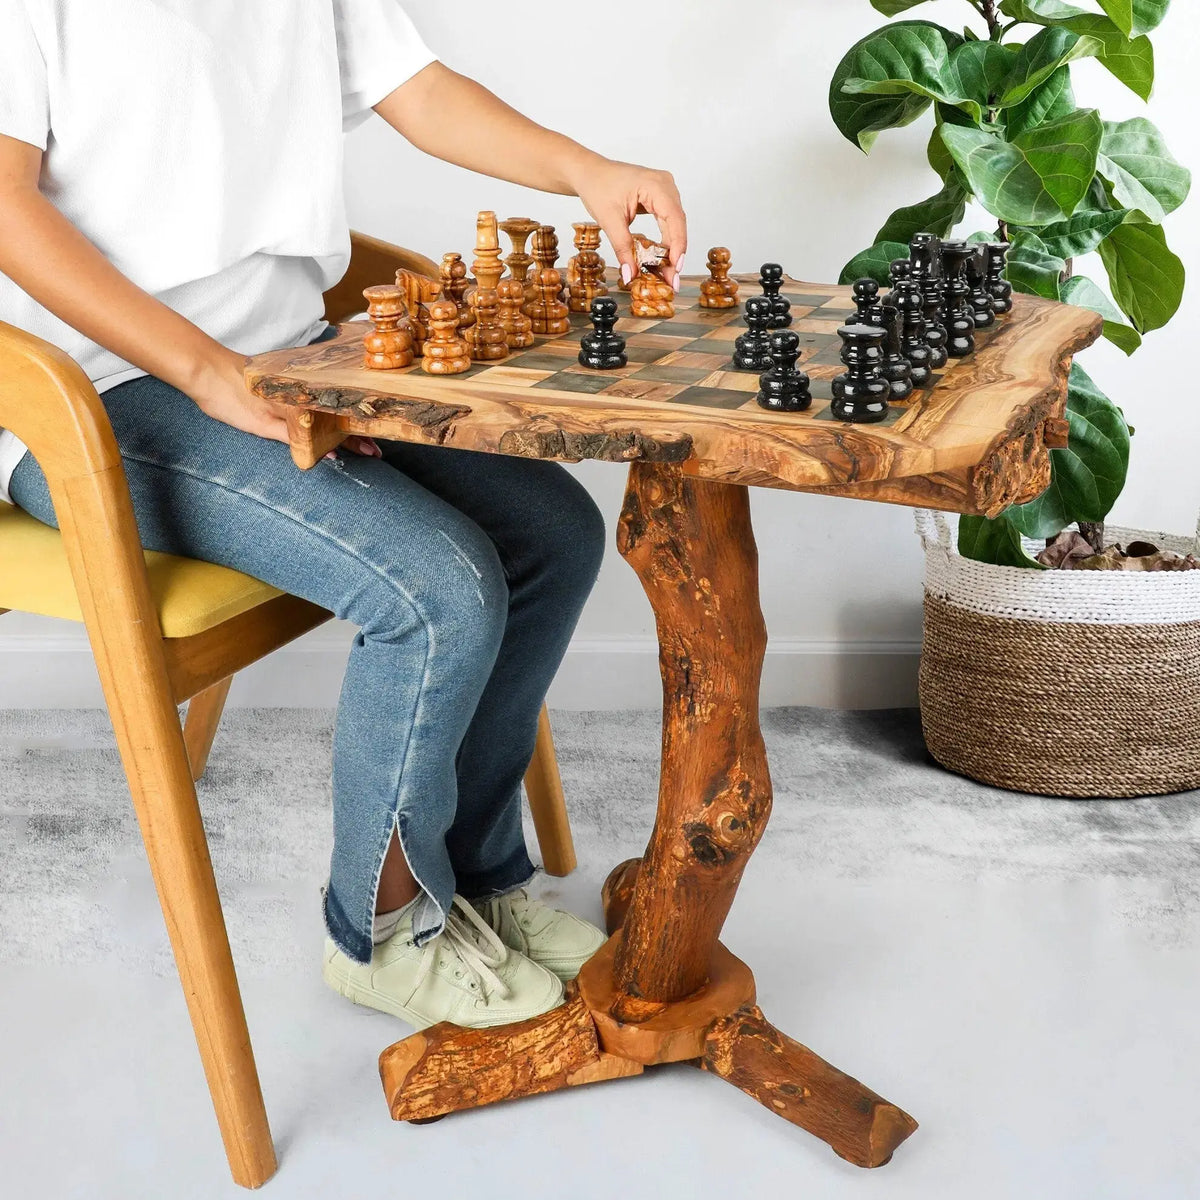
476 947
514 916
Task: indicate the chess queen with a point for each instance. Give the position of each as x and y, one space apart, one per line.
158 232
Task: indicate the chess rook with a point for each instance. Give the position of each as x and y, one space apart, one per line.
912 332
981 297
518 328
896 369
547 313
585 271
1000 289
446 352
959 314
866 301
603 349
718 290
782 387
770 279
860 395
752 351
387 344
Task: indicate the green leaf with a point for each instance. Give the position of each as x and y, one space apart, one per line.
993 541
1147 14
977 72
1084 292
1087 476
1040 57
1135 160
1032 268
940 159
1054 98
1146 277
939 214
890 8
1082 233
874 262
1121 13
906 50
1039 177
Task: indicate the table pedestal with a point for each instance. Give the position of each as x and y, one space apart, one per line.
663 988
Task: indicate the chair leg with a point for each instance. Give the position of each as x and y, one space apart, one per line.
200 726
543 786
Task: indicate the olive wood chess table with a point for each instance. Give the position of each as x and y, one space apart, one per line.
663 988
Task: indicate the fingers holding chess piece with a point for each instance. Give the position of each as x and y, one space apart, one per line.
603 349
547 313
518 328
388 343
752 351
718 290
650 295
446 352
782 387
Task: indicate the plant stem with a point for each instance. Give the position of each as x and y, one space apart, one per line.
987 10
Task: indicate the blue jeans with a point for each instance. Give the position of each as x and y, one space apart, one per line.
465 573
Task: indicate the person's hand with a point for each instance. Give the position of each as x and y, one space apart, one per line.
616 192
220 392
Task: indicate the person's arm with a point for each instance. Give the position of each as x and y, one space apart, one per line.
456 119
46 256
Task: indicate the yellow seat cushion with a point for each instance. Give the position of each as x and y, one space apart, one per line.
191 596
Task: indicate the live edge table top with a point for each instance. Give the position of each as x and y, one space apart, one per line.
975 441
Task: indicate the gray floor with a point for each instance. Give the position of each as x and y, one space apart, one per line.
1020 974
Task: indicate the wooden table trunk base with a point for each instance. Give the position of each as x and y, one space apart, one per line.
447 1068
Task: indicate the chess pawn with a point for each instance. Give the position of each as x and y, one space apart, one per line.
981 297
1000 289
547 313
770 279
752 351
454 287
603 349
866 300
446 353
387 344
782 387
860 395
486 338
896 369
518 328
958 310
936 334
719 291
585 271
900 268
912 331
651 296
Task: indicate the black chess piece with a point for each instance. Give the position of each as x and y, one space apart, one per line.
866 300
752 351
999 287
861 394
925 257
981 297
926 272
603 349
912 332
897 370
901 268
959 313
784 388
771 280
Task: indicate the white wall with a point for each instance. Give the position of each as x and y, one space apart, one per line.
735 105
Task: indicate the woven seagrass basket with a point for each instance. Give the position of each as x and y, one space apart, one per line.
1062 683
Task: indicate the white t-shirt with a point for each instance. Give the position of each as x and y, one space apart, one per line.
198 144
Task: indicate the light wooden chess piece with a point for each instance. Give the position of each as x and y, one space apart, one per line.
585 271
650 294
446 353
518 230
548 315
419 292
719 291
454 287
487 338
545 255
388 344
518 328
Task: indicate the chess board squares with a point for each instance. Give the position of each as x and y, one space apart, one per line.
507 376
674 327
628 325
588 382
709 355
732 381
710 397
819 322
637 388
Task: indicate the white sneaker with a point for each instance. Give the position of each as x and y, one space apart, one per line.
560 941
466 975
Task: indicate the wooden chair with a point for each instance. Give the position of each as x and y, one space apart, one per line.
164 630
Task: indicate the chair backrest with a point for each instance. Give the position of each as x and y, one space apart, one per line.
371 261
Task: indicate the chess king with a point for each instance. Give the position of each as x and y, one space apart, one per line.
138 255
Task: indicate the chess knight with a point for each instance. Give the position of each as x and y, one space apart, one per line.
650 293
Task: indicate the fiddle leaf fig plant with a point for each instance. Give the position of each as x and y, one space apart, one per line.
1061 183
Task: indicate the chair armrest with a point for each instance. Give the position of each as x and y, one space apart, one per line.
372 261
